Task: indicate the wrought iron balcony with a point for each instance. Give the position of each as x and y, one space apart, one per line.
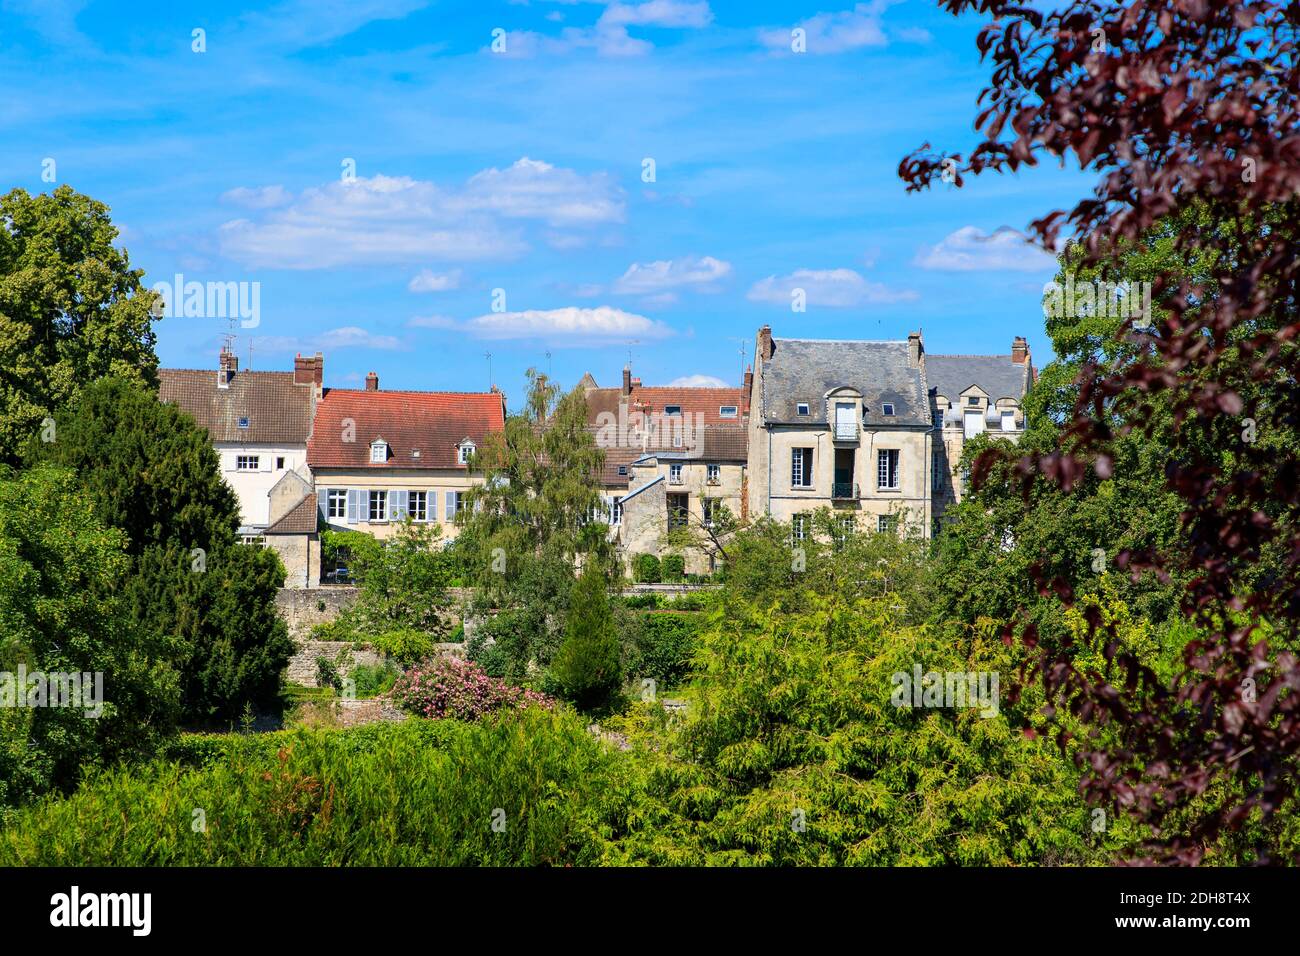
844 491
846 431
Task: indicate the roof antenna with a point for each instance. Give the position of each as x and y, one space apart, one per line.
548 365
491 381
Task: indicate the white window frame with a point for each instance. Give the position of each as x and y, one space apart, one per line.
728 411
466 452
248 463
417 505
801 408
887 408
888 466
1008 413
675 474
801 460
370 506
672 409
339 497
884 523
616 511
378 452
713 474
799 527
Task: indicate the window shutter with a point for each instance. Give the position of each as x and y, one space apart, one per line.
323 503
399 504
354 505
431 507
229 460
264 462
451 504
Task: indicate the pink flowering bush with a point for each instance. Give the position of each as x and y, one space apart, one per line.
451 687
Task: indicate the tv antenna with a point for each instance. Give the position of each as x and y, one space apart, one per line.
491 381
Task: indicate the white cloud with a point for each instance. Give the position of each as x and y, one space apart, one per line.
664 274
836 32
391 219
697 381
969 250
570 324
346 337
258 197
658 13
609 36
430 281
837 288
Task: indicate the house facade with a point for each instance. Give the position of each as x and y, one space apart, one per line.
260 424
844 425
675 458
378 456
971 395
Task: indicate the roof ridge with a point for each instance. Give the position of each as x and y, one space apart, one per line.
407 391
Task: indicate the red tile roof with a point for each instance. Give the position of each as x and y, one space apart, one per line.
694 401
433 423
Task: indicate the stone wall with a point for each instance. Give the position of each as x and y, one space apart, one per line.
302 666
304 608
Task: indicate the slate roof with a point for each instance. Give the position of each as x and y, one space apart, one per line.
301 519
804 370
278 411
434 423
997 375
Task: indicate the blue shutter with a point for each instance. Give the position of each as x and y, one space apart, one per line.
451 504
322 504
398 504
431 507
354 505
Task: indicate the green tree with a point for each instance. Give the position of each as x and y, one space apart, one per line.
531 523
587 663
59 569
71 309
151 472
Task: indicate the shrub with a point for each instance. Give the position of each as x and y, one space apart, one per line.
645 569
663 644
327 675
371 680
449 687
406 646
674 567
587 665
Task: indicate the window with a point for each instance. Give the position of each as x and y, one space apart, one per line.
253 539
378 452
801 468
466 451
616 512
678 511
710 507
938 419
887 468
672 409
674 474
728 411
936 471
844 527
799 527
337 499
622 471
248 463
973 400
887 408
1008 420
884 522
243 423
713 473
378 506
417 505
802 408
279 464
461 501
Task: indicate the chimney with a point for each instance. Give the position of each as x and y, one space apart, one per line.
746 389
372 382
765 348
309 371
627 380
914 349
1019 350
227 366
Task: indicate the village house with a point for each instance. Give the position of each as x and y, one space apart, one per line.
378 456
969 395
675 465
844 425
260 424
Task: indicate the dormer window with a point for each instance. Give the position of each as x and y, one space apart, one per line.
378 452
972 400
466 452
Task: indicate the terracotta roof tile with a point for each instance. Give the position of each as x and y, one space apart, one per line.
433 423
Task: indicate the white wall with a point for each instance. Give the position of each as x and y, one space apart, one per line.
252 487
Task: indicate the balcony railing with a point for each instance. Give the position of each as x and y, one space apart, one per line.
676 480
715 480
846 431
844 491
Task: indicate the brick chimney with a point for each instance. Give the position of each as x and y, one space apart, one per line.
227 366
765 347
914 349
309 370
636 383
1019 350
372 382
746 390
627 380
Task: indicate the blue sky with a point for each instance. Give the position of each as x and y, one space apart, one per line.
524 171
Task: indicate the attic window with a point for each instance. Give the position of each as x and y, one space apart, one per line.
378 452
802 408
887 408
973 400
622 470
415 453
727 411
243 423
672 409
466 452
